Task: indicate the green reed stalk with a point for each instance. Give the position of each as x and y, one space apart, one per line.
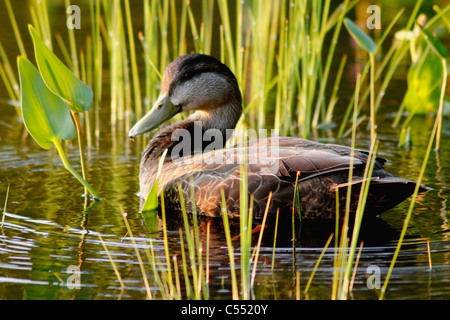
16 31
434 134
191 244
372 98
80 145
222 44
6 71
166 292
441 104
316 266
73 48
393 57
111 260
68 166
182 31
341 258
98 89
146 43
297 285
134 68
138 255
4 206
246 222
97 59
177 278
201 273
240 70
399 54
174 25
280 99
166 242
208 234
355 268
187 282
87 72
333 98
163 15
88 69
430 265
225 19
296 201
336 260
275 240
208 18
195 251
41 21
303 28
197 39
321 97
258 245
288 72
226 227
394 52
269 47
201 286
125 105
116 55
9 72
9 89
358 219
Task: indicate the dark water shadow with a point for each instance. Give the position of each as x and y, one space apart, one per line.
306 233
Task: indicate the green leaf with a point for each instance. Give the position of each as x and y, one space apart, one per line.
60 79
151 203
437 46
47 118
362 38
149 210
424 91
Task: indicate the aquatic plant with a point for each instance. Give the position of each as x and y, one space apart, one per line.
423 94
367 43
46 96
151 204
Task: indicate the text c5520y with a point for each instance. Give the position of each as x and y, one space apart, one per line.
246 309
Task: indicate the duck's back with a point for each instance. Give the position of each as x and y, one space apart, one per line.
272 165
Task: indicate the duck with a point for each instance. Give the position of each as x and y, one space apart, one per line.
199 170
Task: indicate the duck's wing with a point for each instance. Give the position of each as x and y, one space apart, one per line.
272 166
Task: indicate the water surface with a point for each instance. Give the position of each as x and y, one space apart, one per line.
50 227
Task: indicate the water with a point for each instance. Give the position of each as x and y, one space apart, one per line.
49 231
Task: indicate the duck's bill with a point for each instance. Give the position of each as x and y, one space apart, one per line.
162 110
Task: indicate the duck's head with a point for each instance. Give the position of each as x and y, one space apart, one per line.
194 82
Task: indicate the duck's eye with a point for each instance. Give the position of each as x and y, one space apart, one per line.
186 75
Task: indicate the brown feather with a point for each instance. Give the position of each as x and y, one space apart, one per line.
323 168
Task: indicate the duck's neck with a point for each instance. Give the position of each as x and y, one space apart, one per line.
194 134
